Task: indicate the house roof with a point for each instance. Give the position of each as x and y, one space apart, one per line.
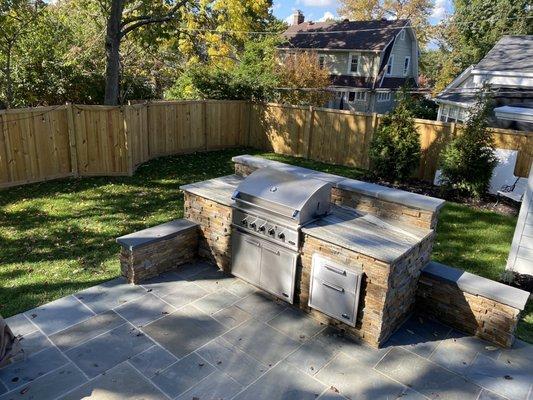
396 83
344 35
510 53
351 81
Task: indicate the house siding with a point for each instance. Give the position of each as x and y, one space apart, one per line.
400 50
338 63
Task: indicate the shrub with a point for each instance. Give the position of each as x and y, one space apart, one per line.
395 148
468 160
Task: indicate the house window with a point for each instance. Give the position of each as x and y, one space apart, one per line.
356 96
354 64
384 96
321 61
406 64
402 34
389 64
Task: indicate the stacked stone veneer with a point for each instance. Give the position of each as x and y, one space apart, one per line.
214 220
387 291
471 303
152 251
385 209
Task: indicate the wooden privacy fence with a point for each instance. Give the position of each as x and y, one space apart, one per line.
45 143
343 137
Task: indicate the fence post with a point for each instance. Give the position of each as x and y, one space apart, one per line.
72 140
128 134
204 123
308 132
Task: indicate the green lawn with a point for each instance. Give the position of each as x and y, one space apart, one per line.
59 237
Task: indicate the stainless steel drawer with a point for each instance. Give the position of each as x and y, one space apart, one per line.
332 272
334 301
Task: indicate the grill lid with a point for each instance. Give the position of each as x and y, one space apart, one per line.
293 196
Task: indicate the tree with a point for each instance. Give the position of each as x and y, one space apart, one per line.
468 161
418 11
125 16
16 19
302 79
395 148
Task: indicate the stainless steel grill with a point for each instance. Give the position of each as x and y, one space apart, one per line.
270 208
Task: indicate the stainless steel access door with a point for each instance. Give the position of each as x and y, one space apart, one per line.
278 271
264 264
246 257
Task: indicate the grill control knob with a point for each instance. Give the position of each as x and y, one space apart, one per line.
243 221
262 228
252 225
281 236
271 231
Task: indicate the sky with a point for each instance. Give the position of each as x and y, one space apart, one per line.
316 10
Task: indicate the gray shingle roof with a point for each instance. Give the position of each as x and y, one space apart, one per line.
343 35
511 53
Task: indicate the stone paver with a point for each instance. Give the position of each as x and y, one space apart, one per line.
426 377
261 341
296 324
20 325
144 310
109 295
86 330
59 314
183 375
216 301
231 317
107 350
261 306
283 382
184 331
501 377
357 381
119 383
22 372
232 361
224 339
49 386
152 361
215 387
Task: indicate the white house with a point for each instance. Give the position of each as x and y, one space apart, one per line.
508 71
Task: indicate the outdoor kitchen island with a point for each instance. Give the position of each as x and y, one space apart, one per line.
355 266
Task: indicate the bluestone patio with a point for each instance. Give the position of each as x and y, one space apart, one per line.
198 334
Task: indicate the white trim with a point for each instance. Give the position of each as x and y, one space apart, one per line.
406 69
387 98
391 60
402 34
522 114
350 59
502 73
453 103
459 79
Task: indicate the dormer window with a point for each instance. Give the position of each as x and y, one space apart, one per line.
402 34
354 64
390 63
406 64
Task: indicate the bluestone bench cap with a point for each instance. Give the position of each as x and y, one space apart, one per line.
477 285
156 233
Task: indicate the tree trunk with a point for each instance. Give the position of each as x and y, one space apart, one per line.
112 49
9 80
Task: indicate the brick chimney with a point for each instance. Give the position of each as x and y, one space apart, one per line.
297 18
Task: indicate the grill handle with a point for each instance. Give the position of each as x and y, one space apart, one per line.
252 243
335 270
334 287
276 252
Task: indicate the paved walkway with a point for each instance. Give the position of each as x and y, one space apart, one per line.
196 334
